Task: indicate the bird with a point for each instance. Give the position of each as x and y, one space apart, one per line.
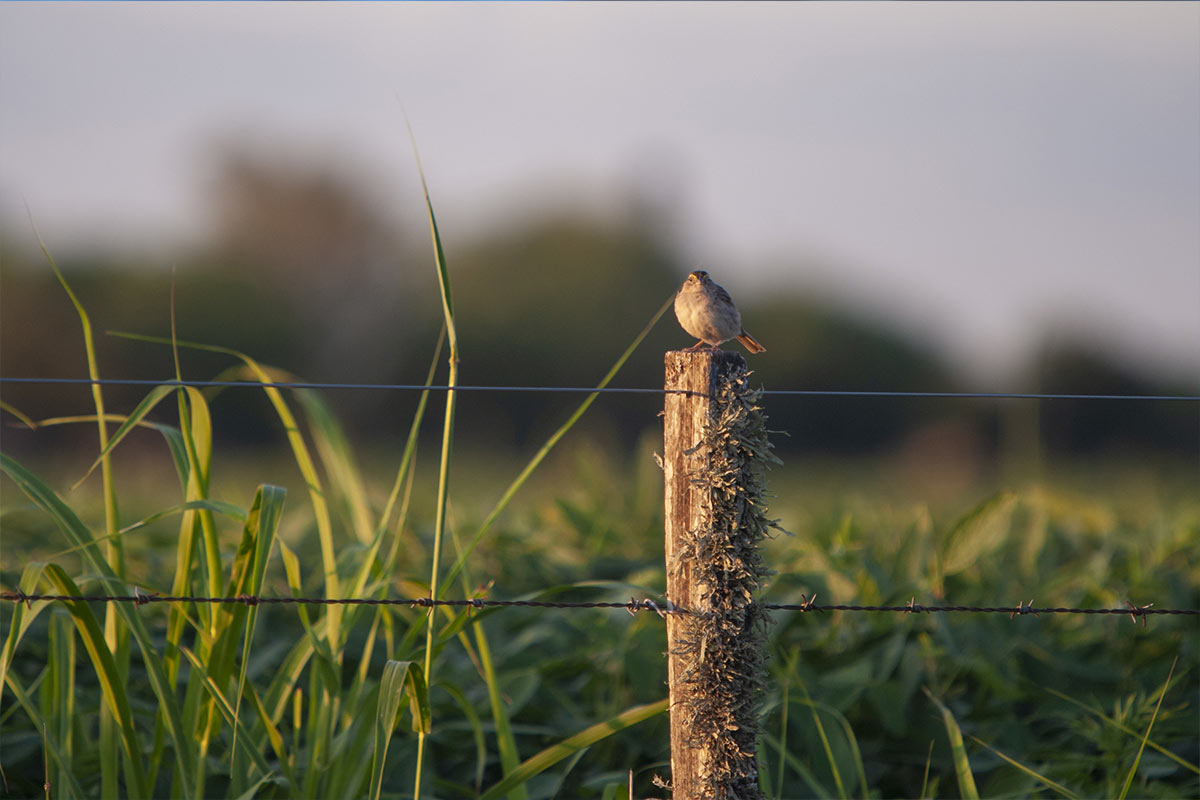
706 311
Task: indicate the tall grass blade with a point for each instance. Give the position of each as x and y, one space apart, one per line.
191 449
60 686
399 677
447 295
251 753
134 418
825 744
925 775
1146 736
338 460
962 765
89 345
112 683
274 737
798 765
23 617
250 567
547 758
505 741
117 639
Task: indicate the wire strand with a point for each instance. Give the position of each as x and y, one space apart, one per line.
632 606
590 390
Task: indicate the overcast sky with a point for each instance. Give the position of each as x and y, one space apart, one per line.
979 172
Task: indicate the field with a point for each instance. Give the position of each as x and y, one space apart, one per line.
243 700
1066 697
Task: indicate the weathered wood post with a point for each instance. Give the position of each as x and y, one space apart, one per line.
714 452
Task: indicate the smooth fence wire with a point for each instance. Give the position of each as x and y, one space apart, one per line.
595 390
632 606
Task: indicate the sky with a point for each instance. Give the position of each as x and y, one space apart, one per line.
983 174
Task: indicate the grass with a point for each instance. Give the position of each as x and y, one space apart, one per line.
353 701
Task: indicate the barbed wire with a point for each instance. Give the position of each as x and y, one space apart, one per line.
595 390
632 606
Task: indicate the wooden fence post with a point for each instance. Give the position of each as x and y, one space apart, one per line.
714 451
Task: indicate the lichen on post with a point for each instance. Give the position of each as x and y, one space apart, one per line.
716 451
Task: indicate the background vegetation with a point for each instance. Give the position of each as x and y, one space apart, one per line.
245 491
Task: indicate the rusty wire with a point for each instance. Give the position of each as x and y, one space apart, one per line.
662 608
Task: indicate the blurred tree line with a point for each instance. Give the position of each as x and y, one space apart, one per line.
304 272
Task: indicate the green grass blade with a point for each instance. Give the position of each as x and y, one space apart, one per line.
505 741
1058 787
925 776
852 742
338 460
89 344
825 744
27 421
547 758
134 418
443 274
192 452
117 639
274 737
250 566
60 685
799 767
404 481
23 617
962 766
398 678
1142 747
252 792
219 506
241 737
227 509
196 424
112 682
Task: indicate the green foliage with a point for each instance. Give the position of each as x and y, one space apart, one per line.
308 710
275 701
1053 704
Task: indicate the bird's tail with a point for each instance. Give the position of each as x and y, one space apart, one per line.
750 343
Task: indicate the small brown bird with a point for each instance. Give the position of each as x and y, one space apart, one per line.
706 311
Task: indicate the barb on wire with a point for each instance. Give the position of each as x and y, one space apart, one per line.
663 608
592 389
1027 608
